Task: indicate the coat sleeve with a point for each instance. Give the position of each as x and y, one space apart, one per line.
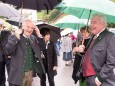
4 39
110 59
54 55
11 45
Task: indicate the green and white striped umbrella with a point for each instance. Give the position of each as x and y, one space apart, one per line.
71 21
85 9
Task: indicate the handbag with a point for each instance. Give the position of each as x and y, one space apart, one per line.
77 69
79 74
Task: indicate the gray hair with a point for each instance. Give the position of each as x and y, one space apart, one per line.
26 20
102 18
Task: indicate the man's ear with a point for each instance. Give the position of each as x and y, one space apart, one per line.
104 24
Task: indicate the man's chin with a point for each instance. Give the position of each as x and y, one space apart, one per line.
28 34
93 32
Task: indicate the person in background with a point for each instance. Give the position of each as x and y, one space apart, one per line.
4 59
49 57
78 39
66 48
73 38
86 35
57 46
25 55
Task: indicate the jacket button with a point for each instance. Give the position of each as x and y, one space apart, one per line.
37 61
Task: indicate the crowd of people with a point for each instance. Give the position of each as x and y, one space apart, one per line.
26 55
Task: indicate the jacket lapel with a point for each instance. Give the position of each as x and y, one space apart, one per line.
23 44
32 42
100 37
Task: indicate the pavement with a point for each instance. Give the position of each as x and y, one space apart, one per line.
63 77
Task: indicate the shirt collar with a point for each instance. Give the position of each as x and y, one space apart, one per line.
26 36
99 33
47 44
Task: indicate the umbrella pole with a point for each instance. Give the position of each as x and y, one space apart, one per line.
87 23
88 19
86 26
37 4
80 17
79 29
21 14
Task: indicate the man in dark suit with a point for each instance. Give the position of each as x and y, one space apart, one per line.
4 60
98 65
25 55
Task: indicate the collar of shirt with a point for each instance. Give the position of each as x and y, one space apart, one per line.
47 44
26 36
99 33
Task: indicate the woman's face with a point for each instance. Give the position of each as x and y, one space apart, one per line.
47 37
85 34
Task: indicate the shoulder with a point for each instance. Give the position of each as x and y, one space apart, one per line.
110 35
11 36
106 34
51 42
36 38
32 37
5 33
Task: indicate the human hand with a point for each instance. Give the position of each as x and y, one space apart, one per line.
17 32
37 31
81 48
55 68
98 83
75 49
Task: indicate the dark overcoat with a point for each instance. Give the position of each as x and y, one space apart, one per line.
3 41
51 56
16 48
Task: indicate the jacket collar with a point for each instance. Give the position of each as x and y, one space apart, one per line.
100 37
47 44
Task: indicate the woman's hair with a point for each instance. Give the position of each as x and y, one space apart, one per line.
85 28
45 31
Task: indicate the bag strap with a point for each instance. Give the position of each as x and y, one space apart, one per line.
87 46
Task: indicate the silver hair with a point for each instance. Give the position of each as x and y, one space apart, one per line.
26 20
102 18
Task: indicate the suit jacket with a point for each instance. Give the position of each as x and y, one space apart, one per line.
51 56
102 56
16 48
